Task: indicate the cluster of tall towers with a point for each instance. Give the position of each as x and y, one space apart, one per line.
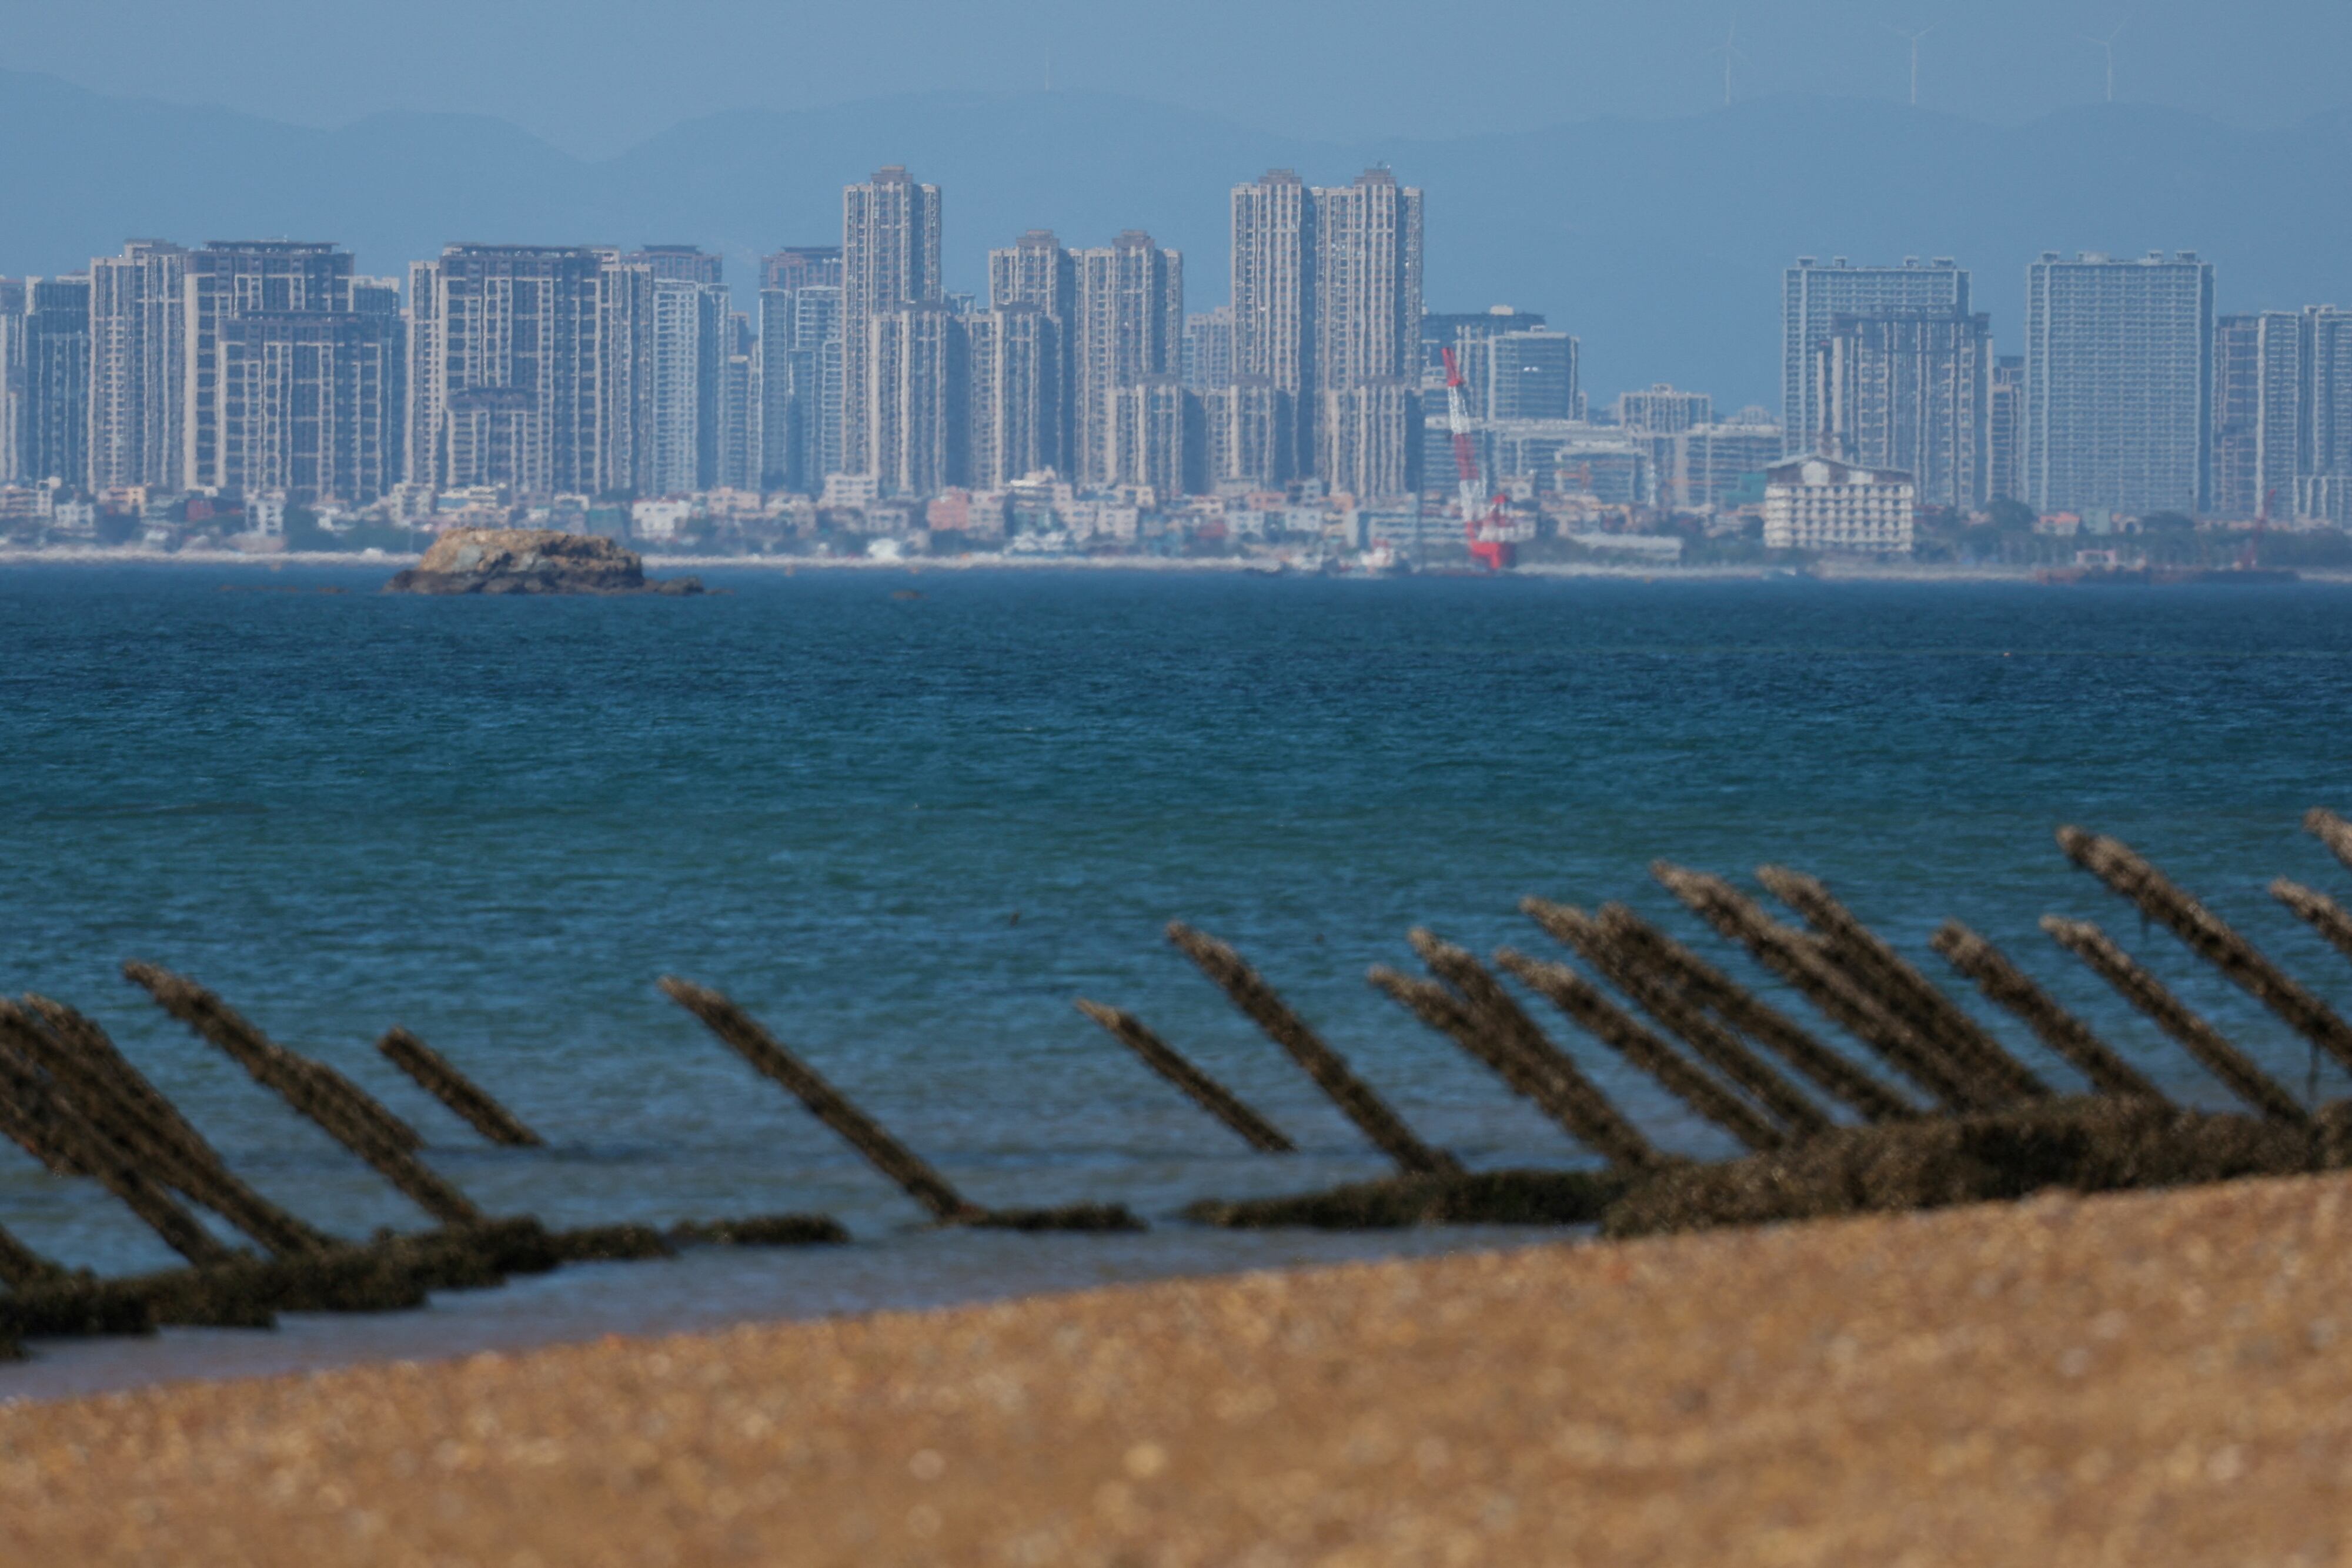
2131 395
546 369
1083 362
271 366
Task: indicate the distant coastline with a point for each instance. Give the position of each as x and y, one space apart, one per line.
1858 571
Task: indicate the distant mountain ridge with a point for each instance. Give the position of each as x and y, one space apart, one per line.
1660 243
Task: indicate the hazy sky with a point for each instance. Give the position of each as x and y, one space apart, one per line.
595 75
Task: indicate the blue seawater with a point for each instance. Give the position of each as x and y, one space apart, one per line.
906 817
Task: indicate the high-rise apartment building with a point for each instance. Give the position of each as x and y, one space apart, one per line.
2118 383
1532 375
224 279
740 426
1812 297
2324 489
137 344
800 372
916 379
801 267
1037 270
1130 328
310 403
53 437
1909 390
1149 419
2259 438
1016 399
1248 432
12 378
1368 438
1665 409
2282 395
890 262
506 378
2005 430
683 391
1208 358
1366 327
1274 305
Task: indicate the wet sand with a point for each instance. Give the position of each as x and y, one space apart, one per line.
2143 1379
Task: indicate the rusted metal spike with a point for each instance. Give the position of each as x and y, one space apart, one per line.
45 1106
1887 974
1596 1122
2330 830
1715 1045
60 1040
1202 1090
1355 1098
438 1077
1584 1005
301 1083
742 1033
2201 1040
2323 914
1792 957
1510 1045
2006 985
2211 937
1709 986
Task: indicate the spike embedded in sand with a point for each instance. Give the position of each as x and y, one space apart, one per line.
2211 937
2236 1071
42 1103
1547 1076
1791 955
436 1075
1709 988
742 1033
2006 985
305 1085
1202 1090
2330 830
2323 914
1721 1050
1879 968
80 1058
1584 1005
1326 1066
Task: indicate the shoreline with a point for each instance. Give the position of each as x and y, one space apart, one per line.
2149 1377
1832 572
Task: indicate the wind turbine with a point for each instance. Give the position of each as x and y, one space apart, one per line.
1914 35
1730 50
2108 44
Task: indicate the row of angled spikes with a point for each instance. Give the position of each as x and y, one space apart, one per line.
72 1099
1739 1061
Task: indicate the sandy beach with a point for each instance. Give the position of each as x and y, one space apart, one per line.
2143 1379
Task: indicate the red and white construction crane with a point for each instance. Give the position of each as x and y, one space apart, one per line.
1484 522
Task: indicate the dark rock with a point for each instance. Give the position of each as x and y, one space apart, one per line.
2102 1145
1482 1198
531 560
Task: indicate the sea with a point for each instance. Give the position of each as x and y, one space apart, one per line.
908 817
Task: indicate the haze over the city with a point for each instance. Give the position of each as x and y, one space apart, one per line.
594 76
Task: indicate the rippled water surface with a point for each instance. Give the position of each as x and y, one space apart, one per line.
907 830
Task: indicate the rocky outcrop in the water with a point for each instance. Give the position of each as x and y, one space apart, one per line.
531 560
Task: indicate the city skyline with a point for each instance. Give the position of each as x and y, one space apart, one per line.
276 368
1680 225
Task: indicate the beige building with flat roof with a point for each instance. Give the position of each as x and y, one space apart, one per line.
1816 503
